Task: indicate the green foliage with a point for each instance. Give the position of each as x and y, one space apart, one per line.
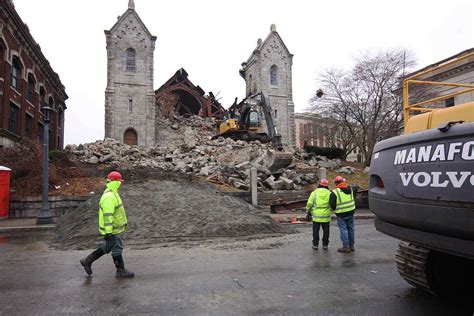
55 155
329 152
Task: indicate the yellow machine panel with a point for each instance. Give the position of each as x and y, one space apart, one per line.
421 122
228 125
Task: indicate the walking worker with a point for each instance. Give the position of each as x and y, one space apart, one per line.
319 210
342 202
112 224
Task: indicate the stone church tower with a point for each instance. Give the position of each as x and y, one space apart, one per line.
269 69
129 95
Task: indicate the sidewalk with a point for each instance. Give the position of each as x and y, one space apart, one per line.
299 217
8 225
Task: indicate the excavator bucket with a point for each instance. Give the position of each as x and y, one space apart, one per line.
278 160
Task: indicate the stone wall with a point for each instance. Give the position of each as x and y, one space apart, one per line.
30 206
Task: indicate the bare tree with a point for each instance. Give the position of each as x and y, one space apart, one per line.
345 140
364 99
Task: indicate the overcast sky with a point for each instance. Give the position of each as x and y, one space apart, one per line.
211 38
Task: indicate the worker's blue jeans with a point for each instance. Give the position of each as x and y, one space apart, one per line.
346 230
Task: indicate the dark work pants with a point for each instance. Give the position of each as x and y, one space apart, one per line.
114 244
325 227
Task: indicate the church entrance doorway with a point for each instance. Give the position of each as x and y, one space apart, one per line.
130 137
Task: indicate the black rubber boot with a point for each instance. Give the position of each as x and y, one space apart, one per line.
121 271
87 261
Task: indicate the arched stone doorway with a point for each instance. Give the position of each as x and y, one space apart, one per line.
130 137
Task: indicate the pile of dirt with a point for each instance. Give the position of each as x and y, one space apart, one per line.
169 209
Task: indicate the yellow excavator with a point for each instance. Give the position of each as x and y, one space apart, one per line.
422 183
246 123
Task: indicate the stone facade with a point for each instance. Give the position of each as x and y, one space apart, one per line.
129 96
269 69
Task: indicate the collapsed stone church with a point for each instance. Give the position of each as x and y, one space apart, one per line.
132 104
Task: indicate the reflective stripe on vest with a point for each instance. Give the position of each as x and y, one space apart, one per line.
345 202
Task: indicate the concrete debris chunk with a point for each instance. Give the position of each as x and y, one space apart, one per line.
346 170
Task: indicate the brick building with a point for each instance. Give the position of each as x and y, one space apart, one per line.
27 82
313 130
269 69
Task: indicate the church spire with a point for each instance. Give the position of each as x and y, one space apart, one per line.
131 4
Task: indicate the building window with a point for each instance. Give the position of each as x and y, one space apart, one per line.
131 60
40 133
60 119
274 75
449 102
51 140
42 102
2 57
250 85
31 88
15 74
130 105
51 102
28 125
13 119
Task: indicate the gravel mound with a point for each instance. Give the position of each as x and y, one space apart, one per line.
169 208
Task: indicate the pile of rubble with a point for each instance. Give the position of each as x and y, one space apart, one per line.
185 146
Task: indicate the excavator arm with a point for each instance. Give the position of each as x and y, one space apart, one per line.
270 120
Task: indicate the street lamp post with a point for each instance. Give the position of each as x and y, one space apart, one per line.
45 216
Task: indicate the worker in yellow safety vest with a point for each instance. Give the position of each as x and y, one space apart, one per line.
342 201
112 224
319 210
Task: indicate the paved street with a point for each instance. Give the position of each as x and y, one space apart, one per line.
273 276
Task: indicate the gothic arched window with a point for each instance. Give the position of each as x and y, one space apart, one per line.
274 75
130 59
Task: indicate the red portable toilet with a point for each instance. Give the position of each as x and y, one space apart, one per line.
4 191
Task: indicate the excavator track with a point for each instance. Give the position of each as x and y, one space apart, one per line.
412 262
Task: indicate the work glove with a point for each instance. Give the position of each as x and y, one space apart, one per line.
308 216
107 236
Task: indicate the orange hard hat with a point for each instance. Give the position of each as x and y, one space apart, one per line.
114 176
324 182
338 179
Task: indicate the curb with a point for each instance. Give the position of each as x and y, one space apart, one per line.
26 228
287 219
